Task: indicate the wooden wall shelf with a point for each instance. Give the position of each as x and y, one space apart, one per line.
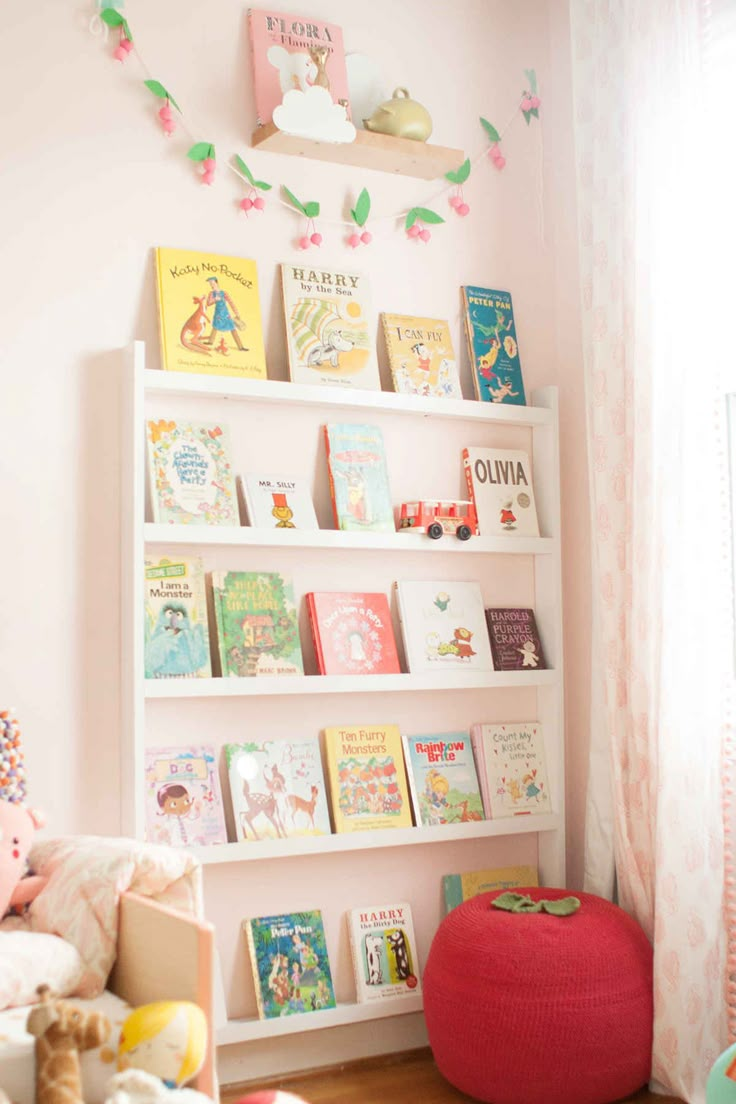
368 151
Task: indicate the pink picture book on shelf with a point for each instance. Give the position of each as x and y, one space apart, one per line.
183 797
294 52
352 633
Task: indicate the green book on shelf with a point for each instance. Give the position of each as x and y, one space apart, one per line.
457 888
257 630
291 970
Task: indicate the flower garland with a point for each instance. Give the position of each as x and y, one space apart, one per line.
416 220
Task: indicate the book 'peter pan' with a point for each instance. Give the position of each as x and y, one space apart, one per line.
209 314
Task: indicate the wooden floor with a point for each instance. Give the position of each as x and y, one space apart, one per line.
393 1079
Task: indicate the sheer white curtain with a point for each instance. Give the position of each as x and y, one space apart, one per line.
654 320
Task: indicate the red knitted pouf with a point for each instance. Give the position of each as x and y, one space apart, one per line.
528 1008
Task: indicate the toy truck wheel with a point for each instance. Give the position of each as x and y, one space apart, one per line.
434 530
464 532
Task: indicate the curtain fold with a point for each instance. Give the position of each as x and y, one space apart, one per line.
653 335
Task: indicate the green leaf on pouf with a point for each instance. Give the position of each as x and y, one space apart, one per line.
293 200
531 76
424 214
459 176
311 209
362 208
490 130
200 151
112 17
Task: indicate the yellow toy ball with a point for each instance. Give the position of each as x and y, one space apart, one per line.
167 1039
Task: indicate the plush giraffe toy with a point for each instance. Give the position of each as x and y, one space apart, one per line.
61 1031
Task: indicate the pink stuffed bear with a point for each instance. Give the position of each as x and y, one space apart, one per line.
17 822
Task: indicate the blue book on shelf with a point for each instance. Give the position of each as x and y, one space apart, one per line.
493 346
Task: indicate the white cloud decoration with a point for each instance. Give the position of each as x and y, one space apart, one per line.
312 114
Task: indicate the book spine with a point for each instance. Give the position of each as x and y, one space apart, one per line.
468 469
354 941
314 629
219 583
403 630
333 498
333 782
247 925
411 780
468 326
254 70
495 652
452 891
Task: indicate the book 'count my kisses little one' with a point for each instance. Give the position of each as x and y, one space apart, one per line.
176 641
384 953
209 314
494 352
329 327
190 474
291 970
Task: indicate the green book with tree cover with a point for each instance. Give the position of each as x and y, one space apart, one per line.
257 630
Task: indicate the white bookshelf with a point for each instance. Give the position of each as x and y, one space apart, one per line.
149 705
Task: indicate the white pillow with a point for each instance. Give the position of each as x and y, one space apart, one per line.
30 959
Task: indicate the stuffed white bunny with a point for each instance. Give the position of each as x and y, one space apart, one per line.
134 1086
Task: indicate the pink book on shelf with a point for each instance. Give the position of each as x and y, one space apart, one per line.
294 52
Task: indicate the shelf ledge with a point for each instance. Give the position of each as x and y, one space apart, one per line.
370 150
243 1031
342 541
282 392
344 684
297 846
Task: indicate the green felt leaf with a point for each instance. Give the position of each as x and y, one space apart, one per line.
527 116
426 215
490 130
311 209
262 185
293 200
459 176
362 208
173 102
531 76
199 151
112 17
157 88
212 152
244 169
126 30
535 112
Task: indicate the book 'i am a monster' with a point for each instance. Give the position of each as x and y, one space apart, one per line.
367 779
176 640
182 796
190 473
257 630
383 951
209 314
291 969
443 780
329 327
356 463
277 788
492 345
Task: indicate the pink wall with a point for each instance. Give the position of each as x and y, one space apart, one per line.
90 185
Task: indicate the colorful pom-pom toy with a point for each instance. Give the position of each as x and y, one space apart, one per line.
12 765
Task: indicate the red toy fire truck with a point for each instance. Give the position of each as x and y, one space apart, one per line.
435 517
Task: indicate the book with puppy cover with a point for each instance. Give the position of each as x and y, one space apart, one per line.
500 484
296 53
190 473
175 636
383 951
329 327
492 345
291 969
367 779
421 356
352 633
209 314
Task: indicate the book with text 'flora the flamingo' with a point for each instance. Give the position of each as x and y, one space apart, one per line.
500 484
492 345
176 639
209 314
182 796
352 633
443 626
257 630
277 788
384 952
190 473
291 968
329 327
367 779
442 778
296 53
